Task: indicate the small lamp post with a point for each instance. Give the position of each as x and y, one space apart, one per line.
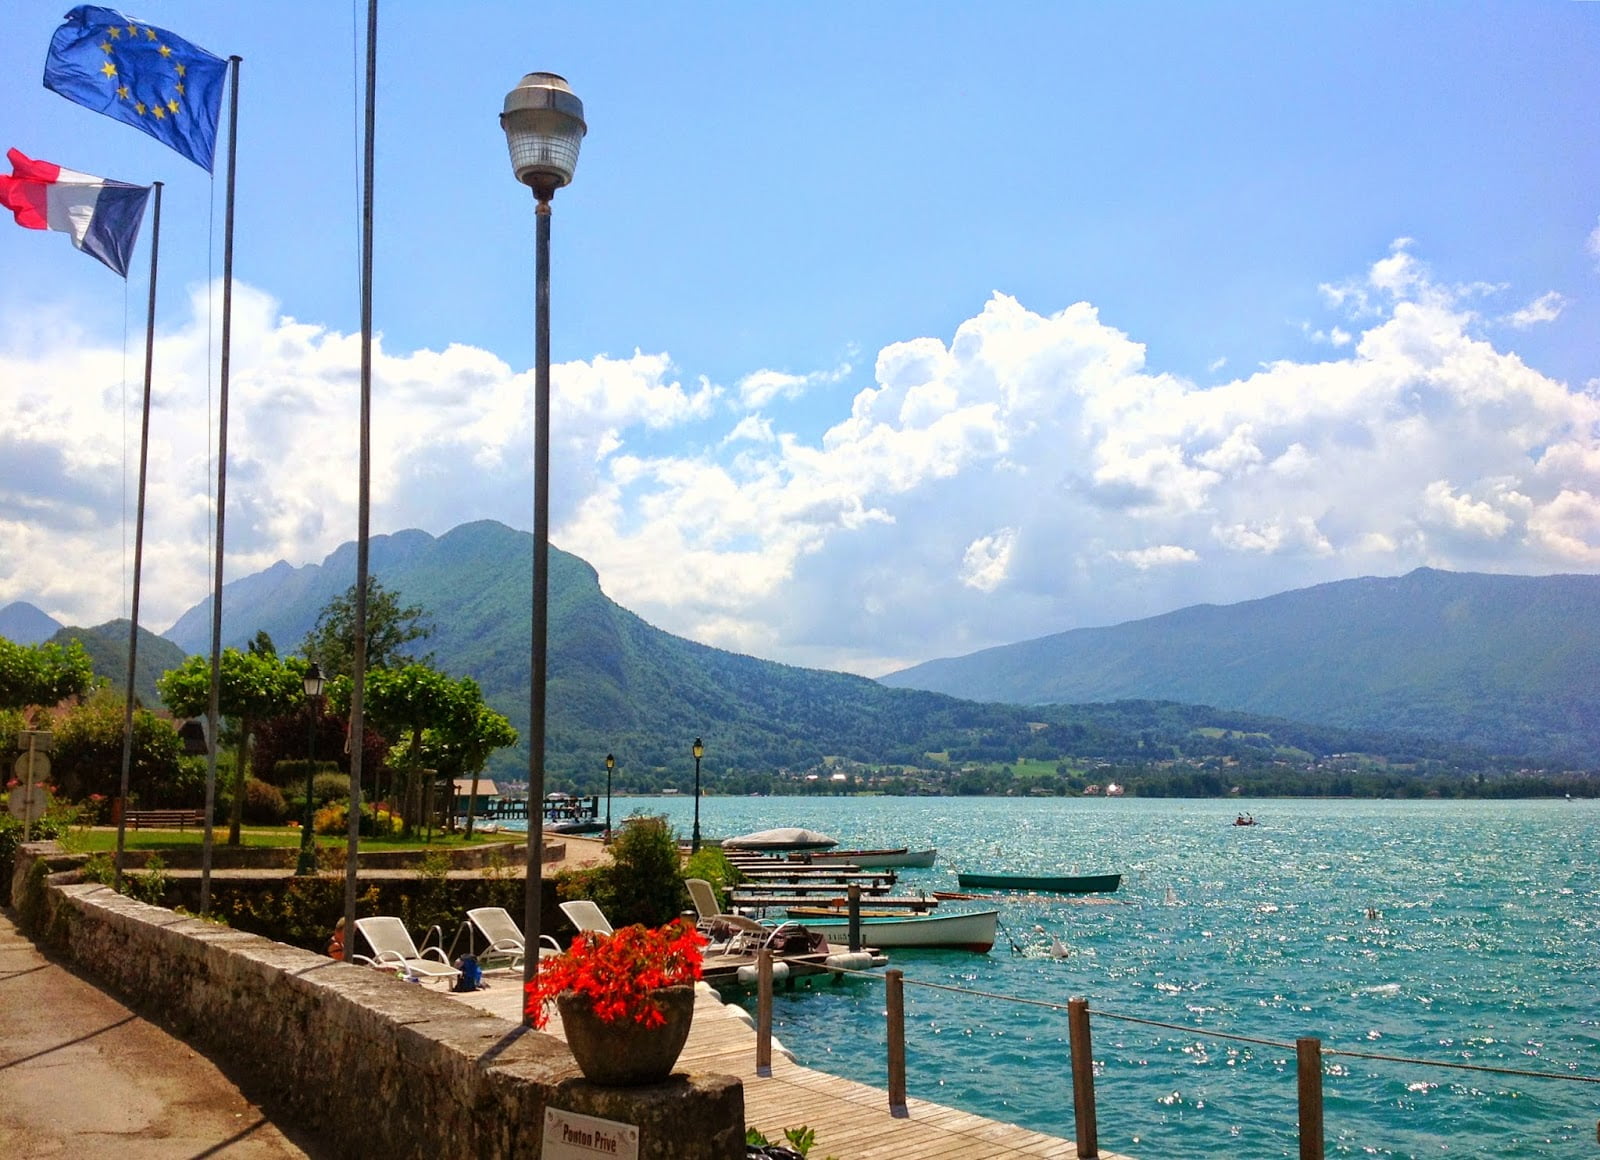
611 763
694 843
313 684
544 127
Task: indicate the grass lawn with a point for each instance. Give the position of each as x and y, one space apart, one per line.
87 841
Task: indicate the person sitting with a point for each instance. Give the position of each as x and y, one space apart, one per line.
336 941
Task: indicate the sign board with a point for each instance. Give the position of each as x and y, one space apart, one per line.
22 807
31 766
35 739
572 1136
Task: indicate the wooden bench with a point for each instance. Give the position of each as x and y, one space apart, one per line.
164 819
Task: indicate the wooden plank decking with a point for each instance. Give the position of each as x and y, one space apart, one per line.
850 1119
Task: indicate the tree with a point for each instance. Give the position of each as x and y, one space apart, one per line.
87 754
43 674
390 628
404 703
253 688
462 744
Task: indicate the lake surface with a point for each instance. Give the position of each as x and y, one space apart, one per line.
1483 949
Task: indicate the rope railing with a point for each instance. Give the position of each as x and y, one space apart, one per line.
1308 1052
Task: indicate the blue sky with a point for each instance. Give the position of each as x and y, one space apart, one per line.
883 332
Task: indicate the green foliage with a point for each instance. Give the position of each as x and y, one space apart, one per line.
433 903
251 687
263 803
148 885
643 882
53 825
87 756
302 913
712 865
800 1140
330 787
390 628
43 674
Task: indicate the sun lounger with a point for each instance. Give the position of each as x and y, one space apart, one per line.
392 948
586 916
729 933
504 937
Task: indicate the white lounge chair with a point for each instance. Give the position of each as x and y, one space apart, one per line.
392 947
586 916
504 937
734 932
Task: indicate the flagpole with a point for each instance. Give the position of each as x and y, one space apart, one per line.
358 677
138 537
214 707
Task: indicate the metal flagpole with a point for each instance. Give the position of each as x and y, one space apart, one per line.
358 678
138 537
213 709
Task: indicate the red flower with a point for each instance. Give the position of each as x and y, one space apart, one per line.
619 973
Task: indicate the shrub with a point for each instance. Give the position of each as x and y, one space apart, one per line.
646 885
334 818
263 803
54 824
330 787
713 865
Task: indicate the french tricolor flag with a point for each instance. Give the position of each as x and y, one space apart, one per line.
102 216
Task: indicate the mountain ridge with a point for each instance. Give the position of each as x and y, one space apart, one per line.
1503 662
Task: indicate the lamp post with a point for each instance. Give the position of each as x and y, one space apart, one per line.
544 127
313 684
611 763
694 844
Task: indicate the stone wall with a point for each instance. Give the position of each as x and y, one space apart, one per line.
369 1065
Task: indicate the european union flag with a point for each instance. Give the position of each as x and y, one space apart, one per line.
141 75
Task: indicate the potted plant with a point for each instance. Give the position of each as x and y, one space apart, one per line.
626 1000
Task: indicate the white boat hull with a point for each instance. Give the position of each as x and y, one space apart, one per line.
970 931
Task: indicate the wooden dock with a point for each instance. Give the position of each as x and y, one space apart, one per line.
850 1119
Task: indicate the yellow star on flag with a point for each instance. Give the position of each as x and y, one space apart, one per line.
122 91
172 107
159 112
105 46
139 107
109 69
164 50
114 32
149 33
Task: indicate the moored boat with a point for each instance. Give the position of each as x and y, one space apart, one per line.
781 840
875 859
973 930
1048 883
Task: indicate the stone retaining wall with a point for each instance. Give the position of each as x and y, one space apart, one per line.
370 1065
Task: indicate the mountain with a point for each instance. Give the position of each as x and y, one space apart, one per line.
616 684
1504 663
22 623
107 646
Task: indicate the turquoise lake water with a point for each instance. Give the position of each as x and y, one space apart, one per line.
1483 950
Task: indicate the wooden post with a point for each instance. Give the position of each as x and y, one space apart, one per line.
1308 1072
763 1011
896 996
1082 1079
855 917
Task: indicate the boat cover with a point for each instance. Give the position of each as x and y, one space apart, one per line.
785 838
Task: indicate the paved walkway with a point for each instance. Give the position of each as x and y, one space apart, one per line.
81 1075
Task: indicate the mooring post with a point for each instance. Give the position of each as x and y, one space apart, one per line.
896 996
763 1011
1082 1079
1308 1072
855 917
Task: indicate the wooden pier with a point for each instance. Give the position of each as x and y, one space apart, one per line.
850 1119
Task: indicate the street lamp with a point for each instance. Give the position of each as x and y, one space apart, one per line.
544 127
611 763
313 683
694 844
